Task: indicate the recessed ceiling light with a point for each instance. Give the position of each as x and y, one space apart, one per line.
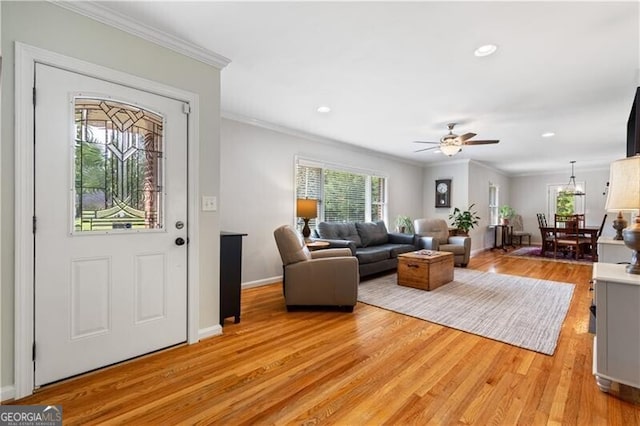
323 109
548 134
485 50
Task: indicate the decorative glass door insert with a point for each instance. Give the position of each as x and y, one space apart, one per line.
118 166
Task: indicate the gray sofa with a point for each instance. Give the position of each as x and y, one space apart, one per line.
376 249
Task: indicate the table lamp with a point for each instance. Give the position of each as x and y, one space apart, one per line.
306 209
624 195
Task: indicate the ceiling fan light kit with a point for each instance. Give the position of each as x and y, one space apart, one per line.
450 144
450 147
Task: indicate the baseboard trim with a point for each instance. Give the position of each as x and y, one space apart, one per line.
264 281
477 251
7 393
205 333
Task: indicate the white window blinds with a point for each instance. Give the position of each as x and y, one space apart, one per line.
343 195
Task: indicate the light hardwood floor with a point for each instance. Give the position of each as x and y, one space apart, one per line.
367 367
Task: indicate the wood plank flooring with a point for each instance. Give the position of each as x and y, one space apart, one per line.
367 367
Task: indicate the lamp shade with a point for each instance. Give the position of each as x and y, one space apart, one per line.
306 208
624 185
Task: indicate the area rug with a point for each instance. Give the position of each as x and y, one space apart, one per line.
533 252
523 312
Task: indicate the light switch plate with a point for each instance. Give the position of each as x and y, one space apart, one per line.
209 203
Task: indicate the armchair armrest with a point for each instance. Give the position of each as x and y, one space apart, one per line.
428 243
339 244
460 241
336 252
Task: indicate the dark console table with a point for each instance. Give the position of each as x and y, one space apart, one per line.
506 236
230 275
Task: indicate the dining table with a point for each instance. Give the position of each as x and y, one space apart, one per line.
590 232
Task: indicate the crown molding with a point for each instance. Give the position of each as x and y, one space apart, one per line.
595 168
102 14
488 167
315 138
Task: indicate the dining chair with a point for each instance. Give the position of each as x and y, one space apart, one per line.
542 220
545 234
566 235
579 218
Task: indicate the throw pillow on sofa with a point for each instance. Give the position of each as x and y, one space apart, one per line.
372 233
339 231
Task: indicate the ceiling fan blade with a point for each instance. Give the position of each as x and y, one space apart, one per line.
438 143
466 136
427 149
480 142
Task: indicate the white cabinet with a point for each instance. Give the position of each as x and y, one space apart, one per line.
616 347
613 251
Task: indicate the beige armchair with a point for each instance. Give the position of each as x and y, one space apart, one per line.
518 229
321 278
434 235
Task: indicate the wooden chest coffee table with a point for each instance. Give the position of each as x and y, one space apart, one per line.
424 269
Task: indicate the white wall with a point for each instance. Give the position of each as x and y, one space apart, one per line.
50 27
529 196
470 185
480 177
458 172
257 187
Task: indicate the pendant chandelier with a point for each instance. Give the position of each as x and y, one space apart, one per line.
572 188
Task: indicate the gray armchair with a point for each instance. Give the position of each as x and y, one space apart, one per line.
434 235
321 278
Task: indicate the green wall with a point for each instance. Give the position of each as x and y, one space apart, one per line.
47 26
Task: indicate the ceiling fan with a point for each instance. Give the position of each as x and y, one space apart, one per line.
450 144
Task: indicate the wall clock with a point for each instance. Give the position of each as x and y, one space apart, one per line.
443 193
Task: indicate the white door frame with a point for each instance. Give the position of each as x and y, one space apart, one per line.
25 59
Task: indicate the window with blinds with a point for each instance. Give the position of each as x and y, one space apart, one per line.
494 192
343 195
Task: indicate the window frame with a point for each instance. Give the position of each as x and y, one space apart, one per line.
494 207
553 189
327 165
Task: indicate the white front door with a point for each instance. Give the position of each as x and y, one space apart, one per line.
110 220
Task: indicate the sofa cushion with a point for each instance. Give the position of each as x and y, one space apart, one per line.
372 254
397 249
372 233
339 231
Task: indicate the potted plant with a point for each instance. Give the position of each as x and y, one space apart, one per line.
506 213
464 220
404 224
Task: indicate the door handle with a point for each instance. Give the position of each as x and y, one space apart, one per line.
180 241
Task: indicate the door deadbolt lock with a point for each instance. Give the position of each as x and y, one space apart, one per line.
180 241
179 224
